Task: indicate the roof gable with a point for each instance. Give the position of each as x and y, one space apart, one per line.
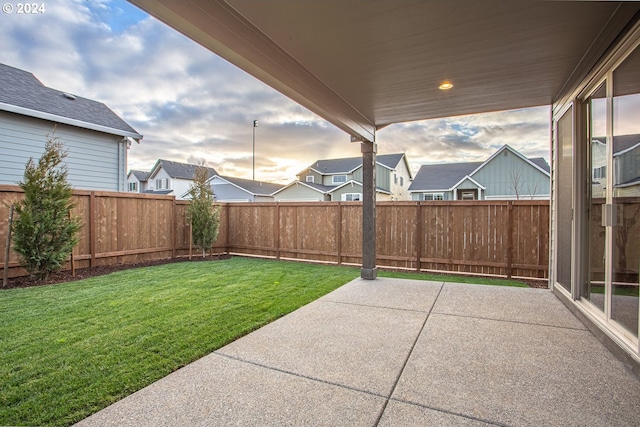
256 188
621 143
446 176
141 176
350 164
177 170
23 93
443 176
323 189
506 147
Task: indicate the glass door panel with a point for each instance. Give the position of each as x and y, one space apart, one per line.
626 194
597 163
564 177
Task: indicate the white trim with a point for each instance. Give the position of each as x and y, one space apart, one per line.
455 187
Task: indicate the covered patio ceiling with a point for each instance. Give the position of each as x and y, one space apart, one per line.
365 64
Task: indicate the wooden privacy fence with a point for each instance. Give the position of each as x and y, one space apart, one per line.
506 238
482 237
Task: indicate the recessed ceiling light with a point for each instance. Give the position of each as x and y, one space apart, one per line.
446 85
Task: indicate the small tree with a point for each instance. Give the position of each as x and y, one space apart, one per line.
204 216
44 231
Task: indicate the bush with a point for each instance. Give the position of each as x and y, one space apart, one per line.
204 216
44 232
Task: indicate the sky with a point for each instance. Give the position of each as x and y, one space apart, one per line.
193 106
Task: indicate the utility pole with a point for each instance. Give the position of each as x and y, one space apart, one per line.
255 125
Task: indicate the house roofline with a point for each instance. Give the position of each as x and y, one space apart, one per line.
301 183
358 183
516 152
239 187
440 190
482 187
68 121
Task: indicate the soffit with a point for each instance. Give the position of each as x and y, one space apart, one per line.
364 64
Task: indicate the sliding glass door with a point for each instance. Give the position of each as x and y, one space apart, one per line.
613 202
625 227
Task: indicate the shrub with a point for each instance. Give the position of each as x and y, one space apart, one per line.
44 232
204 216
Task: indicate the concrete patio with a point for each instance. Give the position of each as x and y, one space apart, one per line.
400 353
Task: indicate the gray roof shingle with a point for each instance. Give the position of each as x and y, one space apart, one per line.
347 165
22 89
179 170
258 188
140 175
441 176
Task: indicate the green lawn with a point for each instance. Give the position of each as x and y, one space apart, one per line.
477 280
70 349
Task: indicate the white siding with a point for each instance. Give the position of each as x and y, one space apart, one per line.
298 193
95 160
400 182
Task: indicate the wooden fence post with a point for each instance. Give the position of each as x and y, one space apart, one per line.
174 225
72 261
418 237
7 250
339 232
276 237
509 238
92 228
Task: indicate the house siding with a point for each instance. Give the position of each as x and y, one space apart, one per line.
626 167
383 178
317 178
298 192
95 160
506 172
400 190
352 187
226 192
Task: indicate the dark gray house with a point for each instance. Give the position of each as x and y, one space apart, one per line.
95 138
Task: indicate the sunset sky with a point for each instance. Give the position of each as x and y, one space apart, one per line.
190 104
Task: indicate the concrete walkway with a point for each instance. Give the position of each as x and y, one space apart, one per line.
400 353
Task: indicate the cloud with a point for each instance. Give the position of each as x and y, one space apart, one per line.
191 104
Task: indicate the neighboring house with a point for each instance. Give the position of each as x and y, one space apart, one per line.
137 181
626 166
341 180
229 189
507 174
95 138
175 178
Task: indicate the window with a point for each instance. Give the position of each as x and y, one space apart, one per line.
351 197
339 179
468 195
133 186
395 178
162 184
600 172
401 181
309 178
432 196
